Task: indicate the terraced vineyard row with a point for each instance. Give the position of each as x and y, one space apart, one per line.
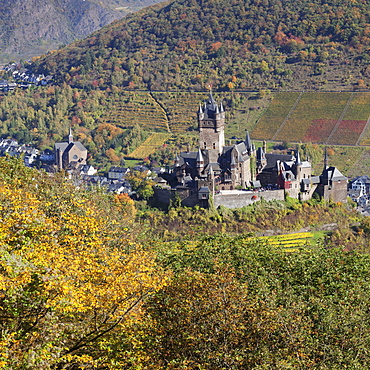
327 118
181 108
137 108
149 146
289 242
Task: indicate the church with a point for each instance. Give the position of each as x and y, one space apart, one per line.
70 154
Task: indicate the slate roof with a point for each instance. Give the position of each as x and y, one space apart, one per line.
272 159
333 174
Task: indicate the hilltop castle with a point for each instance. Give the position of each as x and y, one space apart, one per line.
222 170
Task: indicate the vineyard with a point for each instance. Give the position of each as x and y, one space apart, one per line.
275 115
289 242
181 108
316 117
140 108
324 118
149 146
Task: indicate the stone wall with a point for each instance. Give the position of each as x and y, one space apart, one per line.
237 199
189 197
337 192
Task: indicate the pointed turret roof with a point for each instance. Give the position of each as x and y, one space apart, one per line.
211 107
297 158
233 162
210 171
211 101
70 136
326 159
260 154
248 142
199 156
177 159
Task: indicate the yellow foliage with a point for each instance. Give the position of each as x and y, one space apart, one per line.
61 265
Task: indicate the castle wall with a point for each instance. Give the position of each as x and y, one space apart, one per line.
307 195
237 199
189 197
337 192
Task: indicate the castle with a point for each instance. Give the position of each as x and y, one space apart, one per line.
222 170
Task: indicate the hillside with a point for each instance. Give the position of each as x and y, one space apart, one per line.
244 44
32 27
112 124
88 281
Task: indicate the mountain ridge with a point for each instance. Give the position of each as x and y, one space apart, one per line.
187 44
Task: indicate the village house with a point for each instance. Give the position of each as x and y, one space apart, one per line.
12 148
359 190
116 172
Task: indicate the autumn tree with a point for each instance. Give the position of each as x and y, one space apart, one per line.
70 272
142 183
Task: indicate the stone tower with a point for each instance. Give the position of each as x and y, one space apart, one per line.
211 124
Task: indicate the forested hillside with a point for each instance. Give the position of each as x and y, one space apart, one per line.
31 27
89 281
244 44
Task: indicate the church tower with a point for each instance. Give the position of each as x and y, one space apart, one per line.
211 124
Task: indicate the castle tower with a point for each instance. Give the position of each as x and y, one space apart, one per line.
211 124
248 144
298 165
260 160
200 162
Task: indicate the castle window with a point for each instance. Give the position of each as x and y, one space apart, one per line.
205 145
214 145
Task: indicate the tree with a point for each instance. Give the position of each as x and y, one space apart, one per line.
244 305
142 183
65 280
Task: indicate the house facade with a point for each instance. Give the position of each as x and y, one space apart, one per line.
359 190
